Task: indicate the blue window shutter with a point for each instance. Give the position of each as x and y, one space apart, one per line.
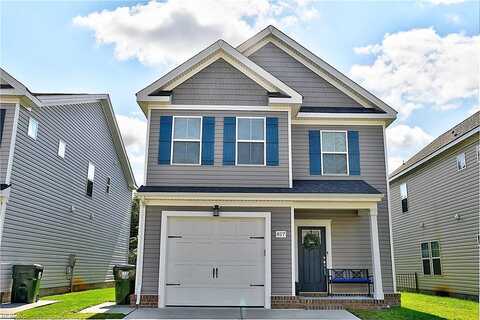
315 152
165 140
229 140
208 140
2 122
272 141
353 153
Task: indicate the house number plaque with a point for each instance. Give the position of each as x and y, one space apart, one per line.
281 234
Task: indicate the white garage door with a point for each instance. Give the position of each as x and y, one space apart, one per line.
215 261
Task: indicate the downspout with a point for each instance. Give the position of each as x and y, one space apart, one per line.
140 245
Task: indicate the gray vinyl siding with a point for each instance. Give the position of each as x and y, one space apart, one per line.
39 225
351 246
372 170
281 248
6 138
220 84
218 174
436 192
316 91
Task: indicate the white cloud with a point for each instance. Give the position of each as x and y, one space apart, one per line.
453 18
403 142
443 2
419 68
133 131
473 110
163 33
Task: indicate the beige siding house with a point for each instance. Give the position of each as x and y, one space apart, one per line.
266 183
435 213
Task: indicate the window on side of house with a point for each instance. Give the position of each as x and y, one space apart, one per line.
32 128
478 152
62 146
431 263
404 197
90 177
187 133
461 162
109 183
251 141
334 153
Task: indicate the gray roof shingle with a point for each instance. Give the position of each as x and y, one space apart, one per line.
444 139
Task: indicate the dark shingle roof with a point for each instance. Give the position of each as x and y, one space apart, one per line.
340 110
444 139
299 186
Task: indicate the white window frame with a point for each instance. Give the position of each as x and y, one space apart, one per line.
199 140
345 153
33 134
264 141
406 190
430 258
477 151
64 150
90 165
457 161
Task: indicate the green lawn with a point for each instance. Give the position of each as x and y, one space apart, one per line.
69 304
424 307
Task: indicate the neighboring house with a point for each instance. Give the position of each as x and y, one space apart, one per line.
435 213
66 187
251 151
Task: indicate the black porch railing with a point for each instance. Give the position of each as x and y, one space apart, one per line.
407 281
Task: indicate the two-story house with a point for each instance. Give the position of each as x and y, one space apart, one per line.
435 214
65 187
265 183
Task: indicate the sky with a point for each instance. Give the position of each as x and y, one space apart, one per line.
421 57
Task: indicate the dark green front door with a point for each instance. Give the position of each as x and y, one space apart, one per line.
312 259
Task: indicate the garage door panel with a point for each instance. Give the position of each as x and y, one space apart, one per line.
233 246
178 296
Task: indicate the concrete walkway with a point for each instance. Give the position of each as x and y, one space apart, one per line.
108 307
238 313
13 308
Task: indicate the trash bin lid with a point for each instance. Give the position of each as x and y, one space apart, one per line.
124 266
35 266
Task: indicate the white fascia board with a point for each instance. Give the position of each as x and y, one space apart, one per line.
316 197
339 80
436 153
19 89
221 49
339 122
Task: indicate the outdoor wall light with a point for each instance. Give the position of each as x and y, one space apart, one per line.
216 210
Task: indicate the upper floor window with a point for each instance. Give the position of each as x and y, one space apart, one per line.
90 177
334 153
404 196
32 128
250 141
477 149
186 144
109 182
2 121
431 258
61 148
461 162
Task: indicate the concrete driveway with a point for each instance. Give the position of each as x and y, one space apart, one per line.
238 313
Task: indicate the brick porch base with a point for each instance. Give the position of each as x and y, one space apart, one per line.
308 303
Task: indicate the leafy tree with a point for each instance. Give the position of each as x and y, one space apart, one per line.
132 252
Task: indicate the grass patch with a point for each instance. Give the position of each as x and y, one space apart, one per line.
70 304
424 307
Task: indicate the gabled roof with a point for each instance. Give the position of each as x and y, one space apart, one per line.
53 99
316 64
281 93
451 137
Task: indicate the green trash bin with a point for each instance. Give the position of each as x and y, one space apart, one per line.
124 275
26 283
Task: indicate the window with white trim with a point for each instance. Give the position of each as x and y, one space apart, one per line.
404 196
187 140
477 149
334 153
251 141
431 263
90 177
461 162
32 128
62 146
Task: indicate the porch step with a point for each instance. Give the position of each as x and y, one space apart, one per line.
328 303
313 294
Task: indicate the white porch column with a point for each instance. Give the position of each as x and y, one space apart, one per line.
140 242
375 248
